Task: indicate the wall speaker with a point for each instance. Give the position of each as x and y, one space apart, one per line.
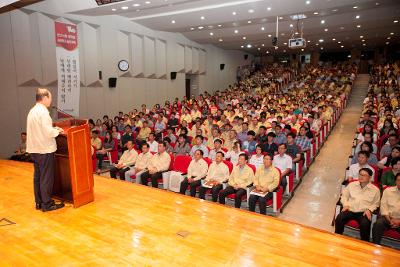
100 75
173 75
112 82
221 66
246 57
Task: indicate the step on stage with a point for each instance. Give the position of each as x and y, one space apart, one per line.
130 224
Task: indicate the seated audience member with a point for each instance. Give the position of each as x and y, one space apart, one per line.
266 181
257 158
20 154
182 147
171 135
390 212
142 162
270 146
292 149
127 159
199 144
218 172
389 176
385 162
217 148
280 135
368 128
96 141
115 133
127 136
261 137
215 133
242 176
359 199
169 147
173 122
366 146
367 138
228 144
158 164
302 140
104 130
233 155
250 144
144 133
315 122
242 135
284 163
387 148
151 140
362 162
108 145
197 170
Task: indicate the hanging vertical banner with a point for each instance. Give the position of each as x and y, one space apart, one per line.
67 54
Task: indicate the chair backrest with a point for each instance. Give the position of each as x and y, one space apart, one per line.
181 163
252 167
208 160
229 164
171 164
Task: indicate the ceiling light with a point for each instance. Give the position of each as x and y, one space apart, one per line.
173 22
136 4
334 10
349 56
234 24
392 33
267 52
308 2
211 33
220 40
244 38
361 36
236 31
326 29
333 39
322 21
342 46
284 51
291 25
355 7
302 49
315 13
296 33
249 21
241 46
200 27
262 28
358 26
377 4
124 7
269 8
284 43
342 28
388 38
339 42
358 16
251 10
364 44
322 48
147 2
387 43
308 41
219 25
362 40
192 29
248 46
321 40
280 17
395 21
234 13
202 17
114 9
317 44
258 49
262 45
269 35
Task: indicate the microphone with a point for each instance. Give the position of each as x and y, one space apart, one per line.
62 112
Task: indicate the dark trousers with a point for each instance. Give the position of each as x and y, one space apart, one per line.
21 157
193 185
114 171
154 177
380 226
284 182
100 158
43 178
214 192
230 190
262 201
346 216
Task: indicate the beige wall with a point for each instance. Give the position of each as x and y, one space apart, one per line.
27 60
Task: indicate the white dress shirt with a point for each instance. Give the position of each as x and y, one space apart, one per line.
40 131
283 162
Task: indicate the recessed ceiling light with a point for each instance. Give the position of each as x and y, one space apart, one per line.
358 26
173 22
387 43
136 4
322 48
114 9
258 49
200 27
339 42
362 40
219 25
361 36
342 28
358 16
392 33
147 2
283 34
291 25
211 33
316 13
296 33
395 21
262 28
220 40
251 10
355 7
234 13
236 31
334 10
333 39
284 43
326 29
262 45
269 35
342 46
388 38
137 10
321 40
192 29
317 44
241 46
269 8
308 2
322 21
280 17
249 21
308 41
202 17
377 4
302 49
124 7
364 44
244 38
267 52
248 46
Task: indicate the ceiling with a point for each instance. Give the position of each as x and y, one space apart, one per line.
239 24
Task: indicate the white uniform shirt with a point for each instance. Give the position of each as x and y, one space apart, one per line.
197 169
390 203
283 163
218 172
40 131
360 199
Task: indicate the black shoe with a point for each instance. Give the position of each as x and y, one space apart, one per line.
53 207
38 206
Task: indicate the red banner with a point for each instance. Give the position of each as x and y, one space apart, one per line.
66 35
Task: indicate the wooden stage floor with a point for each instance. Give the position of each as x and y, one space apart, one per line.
130 224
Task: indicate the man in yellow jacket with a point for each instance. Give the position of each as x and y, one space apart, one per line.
242 176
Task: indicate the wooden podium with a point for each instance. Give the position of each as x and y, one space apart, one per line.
73 159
